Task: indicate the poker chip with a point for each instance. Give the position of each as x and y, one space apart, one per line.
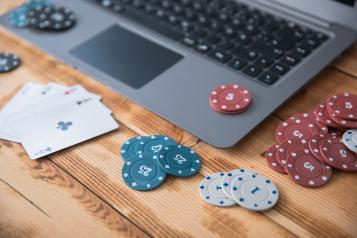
18 18
308 118
322 115
142 173
304 169
8 62
153 146
178 160
343 122
230 98
254 192
337 155
229 177
271 156
349 139
343 105
308 144
315 142
211 191
295 129
130 147
51 18
287 147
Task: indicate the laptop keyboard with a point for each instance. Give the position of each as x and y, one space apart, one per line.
256 43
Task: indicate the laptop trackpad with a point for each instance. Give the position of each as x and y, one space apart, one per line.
126 56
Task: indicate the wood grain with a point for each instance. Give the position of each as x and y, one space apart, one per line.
38 199
80 193
348 62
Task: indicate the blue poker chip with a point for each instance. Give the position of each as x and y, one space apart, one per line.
18 18
143 173
154 145
179 160
130 147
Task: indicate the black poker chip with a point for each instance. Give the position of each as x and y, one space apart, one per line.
51 18
8 62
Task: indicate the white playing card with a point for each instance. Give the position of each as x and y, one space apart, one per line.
63 126
49 90
19 101
21 98
75 93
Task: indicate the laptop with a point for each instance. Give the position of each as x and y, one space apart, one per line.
169 55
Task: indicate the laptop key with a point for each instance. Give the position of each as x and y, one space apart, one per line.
202 47
268 78
237 64
283 45
290 60
279 69
313 44
220 56
263 62
301 51
244 53
268 51
252 70
225 46
188 41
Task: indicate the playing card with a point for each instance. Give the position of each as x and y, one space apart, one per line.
19 101
75 93
63 126
21 98
49 90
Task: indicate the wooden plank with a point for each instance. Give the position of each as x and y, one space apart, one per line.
38 199
348 62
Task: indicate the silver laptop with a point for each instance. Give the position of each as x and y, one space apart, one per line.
169 55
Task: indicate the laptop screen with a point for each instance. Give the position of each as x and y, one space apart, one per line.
347 2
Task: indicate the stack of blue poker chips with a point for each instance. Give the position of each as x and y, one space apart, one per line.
148 160
18 18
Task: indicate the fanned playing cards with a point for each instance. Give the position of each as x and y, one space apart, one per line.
49 118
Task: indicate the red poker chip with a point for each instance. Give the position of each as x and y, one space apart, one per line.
295 129
324 128
304 169
230 98
218 109
343 105
288 147
314 144
336 154
343 122
321 112
271 156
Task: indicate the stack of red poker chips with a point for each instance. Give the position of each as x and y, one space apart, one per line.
230 99
309 144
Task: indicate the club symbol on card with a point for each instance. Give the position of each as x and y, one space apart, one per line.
64 126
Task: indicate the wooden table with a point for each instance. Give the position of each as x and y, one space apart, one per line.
80 192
